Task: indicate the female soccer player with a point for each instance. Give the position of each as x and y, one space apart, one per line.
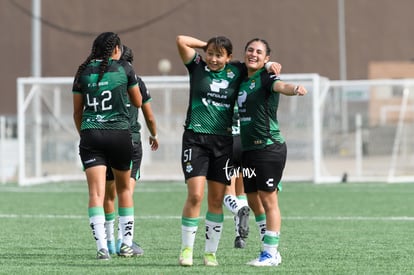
264 148
110 193
103 86
207 140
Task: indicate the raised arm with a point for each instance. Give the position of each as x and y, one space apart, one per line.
186 47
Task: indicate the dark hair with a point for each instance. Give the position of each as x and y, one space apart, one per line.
219 43
102 48
127 54
268 50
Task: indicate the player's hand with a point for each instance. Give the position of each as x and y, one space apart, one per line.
153 142
273 67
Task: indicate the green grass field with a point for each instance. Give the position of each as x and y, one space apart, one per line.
326 229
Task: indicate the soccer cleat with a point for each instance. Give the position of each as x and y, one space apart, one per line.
130 251
265 259
111 247
239 242
210 259
102 254
138 251
242 221
186 257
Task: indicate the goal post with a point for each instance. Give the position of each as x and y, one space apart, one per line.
368 127
47 137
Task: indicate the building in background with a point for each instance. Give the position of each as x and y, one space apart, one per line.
385 103
303 34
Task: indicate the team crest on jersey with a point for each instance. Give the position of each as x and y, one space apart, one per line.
188 167
252 85
230 74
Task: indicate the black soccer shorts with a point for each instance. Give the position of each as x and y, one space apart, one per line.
207 155
102 147
263 168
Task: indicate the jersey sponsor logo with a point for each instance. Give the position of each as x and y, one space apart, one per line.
241 99
207 102
216 85
89 161
270 182
216 95
243 119
102 83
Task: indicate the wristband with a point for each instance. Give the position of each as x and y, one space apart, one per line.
296 90
153 137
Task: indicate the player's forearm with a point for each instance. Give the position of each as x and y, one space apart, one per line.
152 126
77 118
149 119
289 89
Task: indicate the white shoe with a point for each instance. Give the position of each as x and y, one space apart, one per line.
210 259
265 259
186 257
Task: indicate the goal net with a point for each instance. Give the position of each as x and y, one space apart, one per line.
339 131
367 130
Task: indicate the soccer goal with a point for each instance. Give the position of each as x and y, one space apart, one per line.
47 137
48 140
340 131
368 129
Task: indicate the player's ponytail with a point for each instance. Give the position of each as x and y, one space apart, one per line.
102 48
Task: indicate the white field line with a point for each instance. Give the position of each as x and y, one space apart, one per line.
179 189
338 218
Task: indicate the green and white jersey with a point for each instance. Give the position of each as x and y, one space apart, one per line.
212 97
105 105
258 106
